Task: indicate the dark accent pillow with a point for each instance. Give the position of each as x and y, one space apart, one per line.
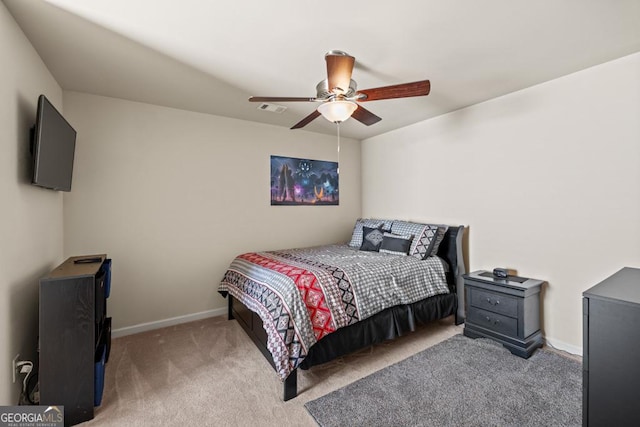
442 230
395 244
371 239
356 236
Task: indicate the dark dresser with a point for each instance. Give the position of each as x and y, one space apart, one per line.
505 310
611 351
74 335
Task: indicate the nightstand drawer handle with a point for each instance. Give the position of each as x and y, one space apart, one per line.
495 322
490 301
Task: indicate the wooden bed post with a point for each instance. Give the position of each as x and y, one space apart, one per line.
458 320
230 308
291 382
460 269
291 385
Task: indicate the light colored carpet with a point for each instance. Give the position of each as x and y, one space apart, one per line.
461 382
209 373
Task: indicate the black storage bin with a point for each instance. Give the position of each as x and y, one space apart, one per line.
100 304
106 267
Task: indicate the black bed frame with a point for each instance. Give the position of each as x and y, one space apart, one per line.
388 324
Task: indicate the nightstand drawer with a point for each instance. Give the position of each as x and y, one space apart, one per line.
496 322
495 302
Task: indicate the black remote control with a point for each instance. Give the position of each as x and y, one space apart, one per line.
87 260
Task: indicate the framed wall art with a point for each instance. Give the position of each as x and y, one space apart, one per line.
301 182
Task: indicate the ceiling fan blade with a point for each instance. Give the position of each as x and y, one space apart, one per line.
365 116
302 123
339 69
403 90
279 99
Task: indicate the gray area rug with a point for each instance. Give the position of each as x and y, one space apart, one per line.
460 382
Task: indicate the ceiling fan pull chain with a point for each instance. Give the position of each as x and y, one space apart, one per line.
338 125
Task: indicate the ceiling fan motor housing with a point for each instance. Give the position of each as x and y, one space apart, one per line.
324 94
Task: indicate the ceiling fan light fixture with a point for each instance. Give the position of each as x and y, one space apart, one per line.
338 110
338 93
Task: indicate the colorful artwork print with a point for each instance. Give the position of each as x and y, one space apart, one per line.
303 182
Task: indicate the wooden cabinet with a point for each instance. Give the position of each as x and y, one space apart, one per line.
505 310
611 345
74 335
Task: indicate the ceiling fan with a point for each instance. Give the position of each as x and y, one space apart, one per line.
339 94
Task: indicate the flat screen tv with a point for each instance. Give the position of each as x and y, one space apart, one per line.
54 143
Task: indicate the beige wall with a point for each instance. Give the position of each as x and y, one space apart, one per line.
547 179
30 217
172 196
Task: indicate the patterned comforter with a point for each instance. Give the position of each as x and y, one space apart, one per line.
301 295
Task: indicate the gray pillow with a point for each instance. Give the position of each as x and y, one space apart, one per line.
426 237
442 230
395 244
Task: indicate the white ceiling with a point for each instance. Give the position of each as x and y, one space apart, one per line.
210 56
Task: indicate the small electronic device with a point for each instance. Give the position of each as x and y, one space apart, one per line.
501 273
87 260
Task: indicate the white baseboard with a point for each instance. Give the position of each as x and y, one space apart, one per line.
561 345
149 326
144 327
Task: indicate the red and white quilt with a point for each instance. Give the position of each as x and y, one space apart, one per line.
302 295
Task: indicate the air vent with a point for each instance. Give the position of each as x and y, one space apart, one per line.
272 107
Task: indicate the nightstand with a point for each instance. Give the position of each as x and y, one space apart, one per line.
505 310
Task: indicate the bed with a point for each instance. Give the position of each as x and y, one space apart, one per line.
304 307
